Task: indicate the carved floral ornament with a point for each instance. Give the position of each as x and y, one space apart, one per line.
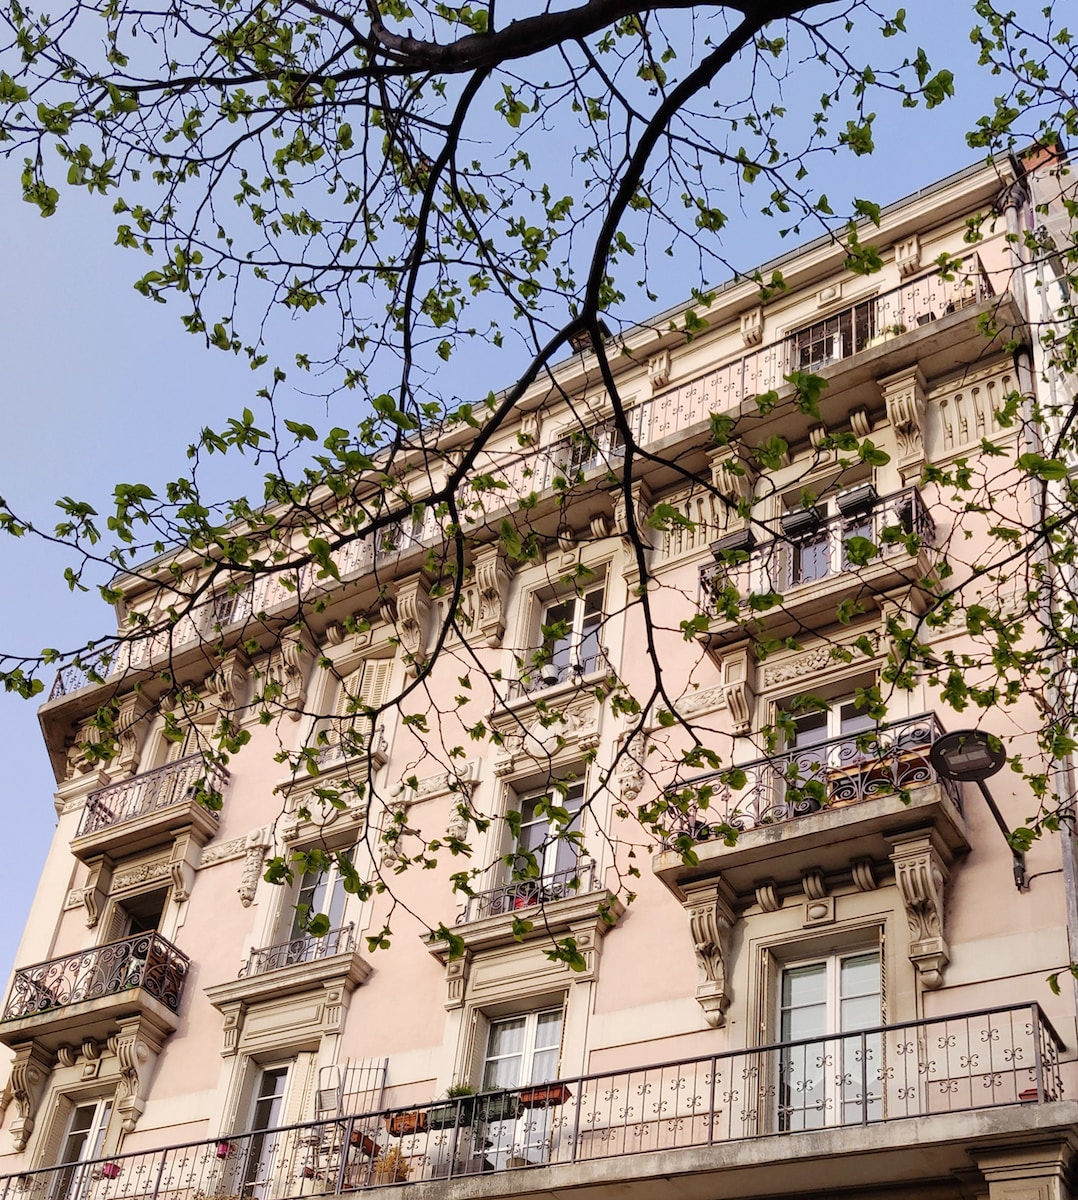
568 727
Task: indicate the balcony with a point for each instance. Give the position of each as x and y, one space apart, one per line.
84 995
645 1125
305 949
521 894
146 810
821 806
815 564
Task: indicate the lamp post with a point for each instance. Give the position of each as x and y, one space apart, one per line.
972 756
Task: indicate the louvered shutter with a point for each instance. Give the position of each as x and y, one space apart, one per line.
367 685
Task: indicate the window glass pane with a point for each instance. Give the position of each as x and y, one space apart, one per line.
506 1037
811 729
804 1002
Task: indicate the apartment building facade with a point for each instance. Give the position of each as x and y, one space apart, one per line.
794 958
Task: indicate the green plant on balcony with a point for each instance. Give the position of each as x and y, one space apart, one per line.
459 1111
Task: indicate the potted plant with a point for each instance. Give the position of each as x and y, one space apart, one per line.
392 1167
544 1095
401 1124
459 1111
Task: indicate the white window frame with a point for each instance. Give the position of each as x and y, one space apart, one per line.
835 1062
78 1183
557 860
560 660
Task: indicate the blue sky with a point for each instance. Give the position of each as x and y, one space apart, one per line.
101 385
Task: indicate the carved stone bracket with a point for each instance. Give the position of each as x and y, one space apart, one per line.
659 370
908 256
732 474
413 618
641 497
137 1046
921 875
752 326
904 394
711 917
289 668
492 579
456 979
739 687
632 750
130 728
29 1074
183 863
257 843
225 689
95 890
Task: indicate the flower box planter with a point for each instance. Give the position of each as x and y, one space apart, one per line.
225 1149
502 1106
110 1170
460 1111
404 1123
1029 1094
364 1142
546 1096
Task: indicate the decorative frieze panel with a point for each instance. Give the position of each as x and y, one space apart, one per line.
704 516
824 658
966 414
566 727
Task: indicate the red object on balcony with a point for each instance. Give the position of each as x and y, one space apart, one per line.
1029 1094
110 1170
225 1149
545 1096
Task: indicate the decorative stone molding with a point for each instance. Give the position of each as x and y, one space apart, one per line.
135 877
817 435
967 412
908 256
29 1073
904 394
860 422
137 1045
629 773
711 917
659 370
413 618
828 295
824 657
705 700
767 896
492 579
921 876
864 875
732 474
568 728
288 670
819 906
739 687
641 499
256 844
752 326
223 852
456 979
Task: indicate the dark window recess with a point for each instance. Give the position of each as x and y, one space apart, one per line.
836 337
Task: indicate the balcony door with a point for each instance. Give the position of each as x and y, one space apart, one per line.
820 746
827 1070
263 1149
544 863
521 1050
83 1142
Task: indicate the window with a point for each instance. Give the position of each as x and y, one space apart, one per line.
351 730
570 638
588 449
539 845
83 1142
821 748
818 538
267 1113
521 1050
836 337
826 1078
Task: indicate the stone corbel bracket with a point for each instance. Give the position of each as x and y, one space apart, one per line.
739 687
225 690
137 1046
732 474
29 1074
493 576
413 612
258 841
130 728
289 668
710 909
904 395
921 874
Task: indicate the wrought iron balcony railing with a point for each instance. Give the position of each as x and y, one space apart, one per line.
886 761
174 783
303 949
521 894
816 548
549 675
144 960
970 1061
914 304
